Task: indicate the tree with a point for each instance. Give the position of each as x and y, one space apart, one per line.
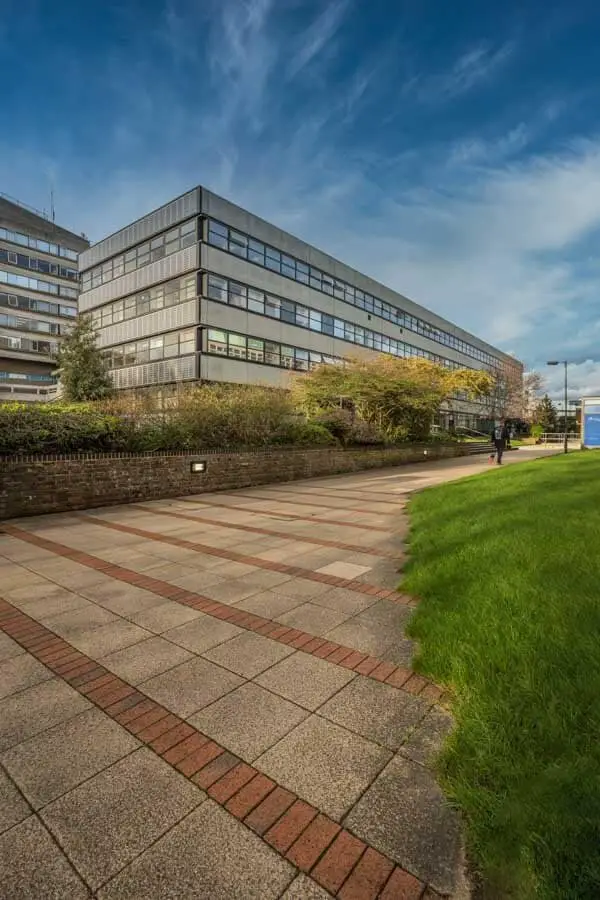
82 369
397 396
545 414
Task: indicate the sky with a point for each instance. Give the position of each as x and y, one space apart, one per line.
449 150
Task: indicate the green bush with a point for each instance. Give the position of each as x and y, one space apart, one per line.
58 428
304 434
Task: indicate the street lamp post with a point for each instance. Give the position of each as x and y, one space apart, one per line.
556 362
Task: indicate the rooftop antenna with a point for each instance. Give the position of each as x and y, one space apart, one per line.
52 212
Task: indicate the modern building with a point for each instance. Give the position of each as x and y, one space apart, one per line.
202 290
39 286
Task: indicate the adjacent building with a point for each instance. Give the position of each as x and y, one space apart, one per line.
39 287
202 290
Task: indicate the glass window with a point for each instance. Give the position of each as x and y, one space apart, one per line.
157 248
256 350
338 328
315 320
301 360
189 227
143 254
187 341
348 331
217 288
118 266
256 252
272 353
237 345
327 284
288 312
338 289
315 278
328 324
130 261
273 259
287 357
218 235
302 272
273 306
237 295
302 316
288 266
256 301
238 244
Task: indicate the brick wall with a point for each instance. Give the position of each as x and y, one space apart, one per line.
34 485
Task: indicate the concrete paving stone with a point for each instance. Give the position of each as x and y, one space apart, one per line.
324 764
98 642
229 862
145 659
44 600
33 710
388 613
304 888
55 761
169 571
343 600
107 821
13 807
249 720
269 603
230 590
164 616
198 581
202 633
9 648
230 569
376 711
317 620
305 680
122 599
33 867
344 569
405 816
263 580
375 638
248 654
191 686
21 672
426 742
302 589
76 621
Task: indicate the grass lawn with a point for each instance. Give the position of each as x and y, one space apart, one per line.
508 568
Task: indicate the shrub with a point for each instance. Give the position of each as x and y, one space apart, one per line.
58 428
304 434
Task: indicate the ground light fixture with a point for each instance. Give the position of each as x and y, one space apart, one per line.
198 467
564 362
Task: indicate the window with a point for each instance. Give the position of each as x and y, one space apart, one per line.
302 272
256 252
237 295
256 301
288 266
237 345
157 247
272 353
288 312
273 259
301 360
273 306
238 244
218 234
315 320
187 341
256 350
217 288
302 316
287 357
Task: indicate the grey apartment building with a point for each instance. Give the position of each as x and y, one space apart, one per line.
39 286
202 290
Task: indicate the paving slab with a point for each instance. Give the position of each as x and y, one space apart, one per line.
50 600
70 624
324 764
9 648
33 710
145 659
107 821
21 672
13 807
305 680
249 720
98 642
317 620
164 616
304 888
426 742
376 711
269 603
344 569
248 654
231 589
405 816
191 686
122 599
202 633
33 867
369 635
229 862
55 761
345 601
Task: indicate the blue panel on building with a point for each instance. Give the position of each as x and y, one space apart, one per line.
591 426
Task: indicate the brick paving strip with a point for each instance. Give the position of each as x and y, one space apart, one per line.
306 492
313 842
255 529
285 516
347 657
358 587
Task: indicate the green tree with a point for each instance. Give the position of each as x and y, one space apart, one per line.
545 414
82 369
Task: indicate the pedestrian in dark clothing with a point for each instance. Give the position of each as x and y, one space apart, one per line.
500 439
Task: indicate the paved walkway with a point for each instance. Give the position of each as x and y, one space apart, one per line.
212 697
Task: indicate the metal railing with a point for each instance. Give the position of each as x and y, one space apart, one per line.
558 437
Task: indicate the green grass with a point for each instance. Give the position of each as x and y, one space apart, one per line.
508 568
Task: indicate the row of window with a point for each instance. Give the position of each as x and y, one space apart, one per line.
163 346
25 240
240 346
31 304
163 245
34 284
241 245
244 297
152 299
23 324
27 345
21 376
37 265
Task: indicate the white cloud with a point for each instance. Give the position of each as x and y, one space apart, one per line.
474 67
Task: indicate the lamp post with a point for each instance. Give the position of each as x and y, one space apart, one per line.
556 362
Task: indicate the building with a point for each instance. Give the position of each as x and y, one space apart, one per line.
201 289
39 287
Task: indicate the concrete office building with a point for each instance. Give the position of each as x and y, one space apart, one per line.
201 290
39 287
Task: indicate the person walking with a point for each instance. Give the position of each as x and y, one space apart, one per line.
500 438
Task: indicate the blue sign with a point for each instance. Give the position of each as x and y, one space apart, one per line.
591 426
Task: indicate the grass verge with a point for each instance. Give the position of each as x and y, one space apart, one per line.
508 568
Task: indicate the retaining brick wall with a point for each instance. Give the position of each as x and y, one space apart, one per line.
32 485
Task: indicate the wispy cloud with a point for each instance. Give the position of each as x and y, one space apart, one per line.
473 68
314 39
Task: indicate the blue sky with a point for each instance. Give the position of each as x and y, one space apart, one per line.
450 150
